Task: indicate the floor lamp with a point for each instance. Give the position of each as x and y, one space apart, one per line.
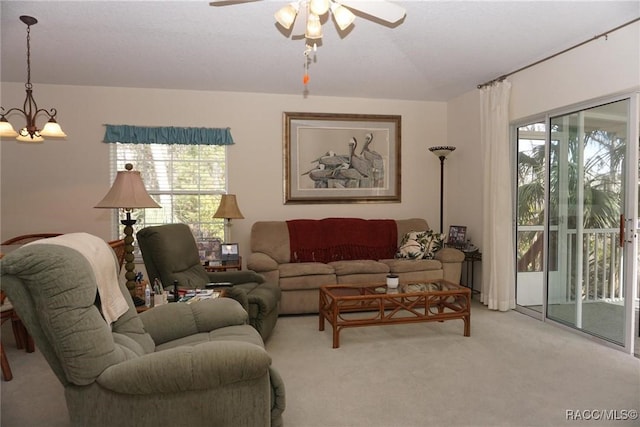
442 152
128 193
228 210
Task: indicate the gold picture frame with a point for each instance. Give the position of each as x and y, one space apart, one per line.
341 158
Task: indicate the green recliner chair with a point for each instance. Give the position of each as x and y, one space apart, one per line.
170 253
198 364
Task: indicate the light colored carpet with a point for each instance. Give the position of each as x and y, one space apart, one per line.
512 371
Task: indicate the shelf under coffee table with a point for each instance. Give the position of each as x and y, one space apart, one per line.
432 301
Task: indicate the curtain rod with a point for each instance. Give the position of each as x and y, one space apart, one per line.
605 35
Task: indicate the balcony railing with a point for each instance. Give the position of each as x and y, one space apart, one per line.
601 261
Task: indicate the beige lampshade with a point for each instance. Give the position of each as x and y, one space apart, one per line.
287 15
314 27
228 208
127 192
343 16
319 7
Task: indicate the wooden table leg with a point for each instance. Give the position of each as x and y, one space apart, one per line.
336 331
321 310
4 363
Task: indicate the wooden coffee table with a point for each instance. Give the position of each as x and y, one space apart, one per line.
436 300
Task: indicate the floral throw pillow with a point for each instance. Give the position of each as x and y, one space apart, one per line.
412 245
435 243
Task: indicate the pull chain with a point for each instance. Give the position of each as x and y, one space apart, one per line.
307 61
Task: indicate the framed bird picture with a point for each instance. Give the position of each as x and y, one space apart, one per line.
341 158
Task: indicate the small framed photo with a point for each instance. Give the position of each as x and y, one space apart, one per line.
210 250
230 252
457 236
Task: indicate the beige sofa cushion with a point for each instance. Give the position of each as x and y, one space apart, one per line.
408 265
295 269
343 268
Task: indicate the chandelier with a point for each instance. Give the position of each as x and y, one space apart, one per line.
30 110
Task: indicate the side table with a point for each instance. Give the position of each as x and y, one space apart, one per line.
470 258
221 293
226 265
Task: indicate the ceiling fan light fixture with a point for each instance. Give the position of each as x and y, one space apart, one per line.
319 7
343 16
287 15
314 27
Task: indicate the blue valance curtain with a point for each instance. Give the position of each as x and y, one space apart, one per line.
167 135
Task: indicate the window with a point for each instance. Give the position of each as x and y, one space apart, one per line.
186 180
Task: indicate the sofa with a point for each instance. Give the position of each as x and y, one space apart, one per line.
170 253
178 364
302 255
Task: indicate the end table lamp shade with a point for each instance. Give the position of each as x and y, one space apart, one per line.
128 193
228 210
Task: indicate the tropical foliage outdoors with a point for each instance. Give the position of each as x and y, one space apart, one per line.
186 180
585 176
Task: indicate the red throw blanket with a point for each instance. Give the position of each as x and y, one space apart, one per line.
335 239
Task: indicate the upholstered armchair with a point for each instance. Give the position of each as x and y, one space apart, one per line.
170 253
177 364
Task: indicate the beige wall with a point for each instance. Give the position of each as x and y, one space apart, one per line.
598 69
53 186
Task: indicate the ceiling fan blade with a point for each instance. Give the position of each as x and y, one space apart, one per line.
380 9
300 24
229 2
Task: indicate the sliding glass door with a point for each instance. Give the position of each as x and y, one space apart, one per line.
530 196
577 219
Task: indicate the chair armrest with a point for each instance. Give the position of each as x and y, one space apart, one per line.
235 277
260 262
449 255
168 322
187 368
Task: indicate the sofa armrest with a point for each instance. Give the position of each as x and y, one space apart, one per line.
168 322
449 255
187 368
260 262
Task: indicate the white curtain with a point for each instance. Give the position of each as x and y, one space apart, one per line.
498 258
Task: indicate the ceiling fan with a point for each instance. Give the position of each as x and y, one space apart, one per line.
303 17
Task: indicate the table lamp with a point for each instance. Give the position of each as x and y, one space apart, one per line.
128 193
228 210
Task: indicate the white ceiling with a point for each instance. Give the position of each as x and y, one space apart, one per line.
440 50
